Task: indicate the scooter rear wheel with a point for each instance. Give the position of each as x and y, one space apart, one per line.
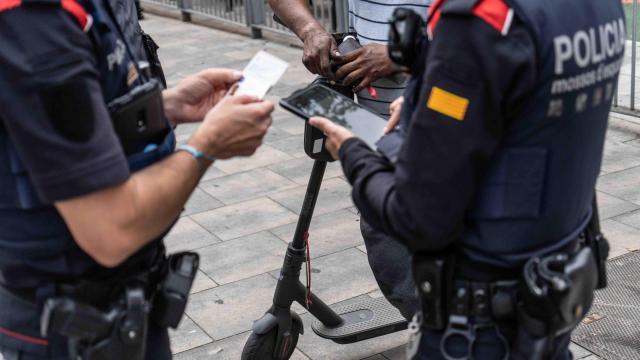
262 346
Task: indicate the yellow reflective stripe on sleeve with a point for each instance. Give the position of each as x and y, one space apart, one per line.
448 103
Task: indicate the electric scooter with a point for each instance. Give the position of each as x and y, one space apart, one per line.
275 335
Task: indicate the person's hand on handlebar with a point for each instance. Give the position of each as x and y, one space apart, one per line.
318 47
363 66
234 127
336 134
194 96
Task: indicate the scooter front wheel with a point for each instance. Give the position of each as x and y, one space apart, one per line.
262 346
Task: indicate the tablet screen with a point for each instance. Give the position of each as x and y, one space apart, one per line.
318 100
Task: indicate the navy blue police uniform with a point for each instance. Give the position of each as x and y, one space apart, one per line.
504 143
61 63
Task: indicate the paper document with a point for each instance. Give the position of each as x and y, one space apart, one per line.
262 72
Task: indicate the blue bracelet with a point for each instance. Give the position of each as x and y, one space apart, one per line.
197 154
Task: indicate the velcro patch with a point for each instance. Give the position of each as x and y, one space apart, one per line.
70 108
448 103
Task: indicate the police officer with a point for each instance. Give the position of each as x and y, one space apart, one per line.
498 170
90 181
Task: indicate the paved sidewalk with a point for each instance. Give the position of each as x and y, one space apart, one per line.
243 214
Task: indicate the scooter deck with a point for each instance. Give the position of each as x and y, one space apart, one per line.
363 320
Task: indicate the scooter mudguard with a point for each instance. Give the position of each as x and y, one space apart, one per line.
269 321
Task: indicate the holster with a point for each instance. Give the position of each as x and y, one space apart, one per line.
119 331
555 294
433 275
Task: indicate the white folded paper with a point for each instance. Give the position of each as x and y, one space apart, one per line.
262 72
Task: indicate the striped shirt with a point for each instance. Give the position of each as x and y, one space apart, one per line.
370 20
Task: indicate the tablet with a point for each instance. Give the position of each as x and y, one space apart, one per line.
319 100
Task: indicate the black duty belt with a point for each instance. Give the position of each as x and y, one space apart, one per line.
483 301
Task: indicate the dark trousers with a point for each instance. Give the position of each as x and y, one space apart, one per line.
492 342
390 262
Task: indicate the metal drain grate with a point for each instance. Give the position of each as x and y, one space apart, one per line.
612 329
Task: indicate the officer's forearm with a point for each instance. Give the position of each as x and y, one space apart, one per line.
297 15
112 224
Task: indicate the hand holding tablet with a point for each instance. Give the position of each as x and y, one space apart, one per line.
319 100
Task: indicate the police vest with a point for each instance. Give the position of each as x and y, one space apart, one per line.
33 233
536 196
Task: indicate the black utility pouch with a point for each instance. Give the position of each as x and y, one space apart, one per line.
138 117
433 276
151 49
171 298
598 244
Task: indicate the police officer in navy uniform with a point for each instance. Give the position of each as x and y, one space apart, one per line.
497 171
90 180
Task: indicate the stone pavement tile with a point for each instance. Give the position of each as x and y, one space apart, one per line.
266 155
622 238
318 348
622 184
187 336
362 248
275 134
232 308
578 351
610 206
292 145
298 170
213 173
242 258
202 282
335 194
244 218
398 353
329 233
225 349
619 156
288 122
247 185
620 135
199 202
187 235
339 276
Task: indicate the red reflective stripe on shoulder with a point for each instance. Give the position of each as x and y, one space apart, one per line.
78 12
434 16
9 4
496 13
23 337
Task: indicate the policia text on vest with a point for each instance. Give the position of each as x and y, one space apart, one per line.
599 46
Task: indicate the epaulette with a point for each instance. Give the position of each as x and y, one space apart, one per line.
496 13
71 6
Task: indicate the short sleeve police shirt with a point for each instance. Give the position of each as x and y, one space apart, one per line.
51 104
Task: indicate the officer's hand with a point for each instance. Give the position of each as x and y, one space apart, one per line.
394 109
318 45
336 134
194 96
363 66
234 127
